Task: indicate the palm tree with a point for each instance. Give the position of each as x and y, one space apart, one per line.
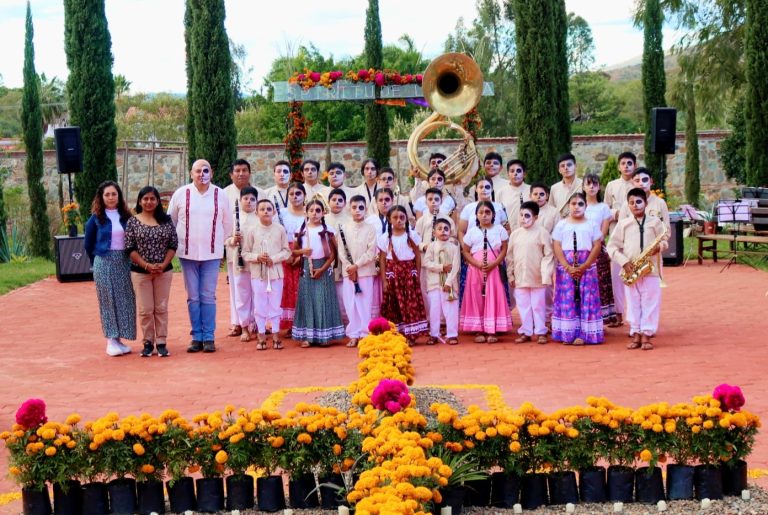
122 85
52 101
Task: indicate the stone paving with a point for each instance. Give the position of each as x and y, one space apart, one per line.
713 330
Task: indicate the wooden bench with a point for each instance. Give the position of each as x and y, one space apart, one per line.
708 243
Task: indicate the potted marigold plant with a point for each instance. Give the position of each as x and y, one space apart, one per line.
211 458
177 451
71 215
742 428
656 427
297 457
243 444
147 463
617 442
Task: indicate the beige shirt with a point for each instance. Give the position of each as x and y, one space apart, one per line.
318 189
560 193
656 207
246 220
270 239
548 218
511 197
433 263
530 261
233 194
361 243
424 228
277 196
624 245
334 221
616 194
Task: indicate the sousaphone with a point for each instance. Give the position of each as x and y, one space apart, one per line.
452 86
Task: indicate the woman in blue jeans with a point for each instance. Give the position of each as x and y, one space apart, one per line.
105 245
203 221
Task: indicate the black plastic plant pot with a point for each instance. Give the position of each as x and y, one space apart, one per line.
240 492
621 483
151 498
649 485
708 482
95 499
181 494
592 487
302 493
562 488
210 494
533 491
452 496
478 492
679 482
270 493
122 496
36 501
330 497
734 477
505 490
67 498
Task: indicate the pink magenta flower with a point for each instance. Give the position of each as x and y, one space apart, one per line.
419 77
362 74
378 325
301 76
731 397
315 76
336 75
379 79
391 395
31 413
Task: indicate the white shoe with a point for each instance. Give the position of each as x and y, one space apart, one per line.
124 349
113 348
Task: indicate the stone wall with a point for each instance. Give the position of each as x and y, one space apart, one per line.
135 166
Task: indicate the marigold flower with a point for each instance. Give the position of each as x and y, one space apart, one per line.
646 455
147 468
304 438
50 451
138 449
221 457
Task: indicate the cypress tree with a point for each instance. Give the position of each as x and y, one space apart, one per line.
756 57
653 80
536 89
32 123
91 94
190 111
562 111
692 184
376 122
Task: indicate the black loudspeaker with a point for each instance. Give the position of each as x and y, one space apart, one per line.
663 125
69 149
72 263
673 256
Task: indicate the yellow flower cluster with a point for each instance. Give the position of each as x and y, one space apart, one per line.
385 356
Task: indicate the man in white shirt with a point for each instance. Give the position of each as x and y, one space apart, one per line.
310 169
515 193
203 219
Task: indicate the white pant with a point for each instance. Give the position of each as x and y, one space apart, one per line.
423 285
243 298
440 305
617 285
643 305
266 306
376 297
233 318
532 307
358 307
340 298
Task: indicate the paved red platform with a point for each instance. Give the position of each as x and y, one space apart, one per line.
713 330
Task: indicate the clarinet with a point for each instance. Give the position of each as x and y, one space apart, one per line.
349 257
277 208
434 223
485 261
576 282
240 261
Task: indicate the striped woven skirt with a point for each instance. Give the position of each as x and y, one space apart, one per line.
403 304
114 291
607 307
569 319
317 319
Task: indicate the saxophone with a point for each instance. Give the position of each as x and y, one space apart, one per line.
642 264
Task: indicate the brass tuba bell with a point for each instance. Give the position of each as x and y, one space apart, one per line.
452 86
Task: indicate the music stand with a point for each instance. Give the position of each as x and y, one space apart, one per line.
737 212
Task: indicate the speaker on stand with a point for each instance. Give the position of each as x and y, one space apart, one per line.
663 133
673 256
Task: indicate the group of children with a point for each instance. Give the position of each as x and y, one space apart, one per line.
322 265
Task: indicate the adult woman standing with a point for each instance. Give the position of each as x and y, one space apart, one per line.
105 245
151 242
203 219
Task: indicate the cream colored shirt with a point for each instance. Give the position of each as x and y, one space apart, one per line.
333 220
548 218
318 189
616 194
438 254
624 245
530 261
270 239
361 243
233 194
277 195
560 193
656 207
246 220
424 227
511 197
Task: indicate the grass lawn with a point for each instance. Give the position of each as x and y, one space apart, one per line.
16 275
692 247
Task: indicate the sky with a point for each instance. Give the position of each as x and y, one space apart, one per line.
148 35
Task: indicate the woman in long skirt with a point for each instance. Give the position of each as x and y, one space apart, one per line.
599 214
292 219
105 245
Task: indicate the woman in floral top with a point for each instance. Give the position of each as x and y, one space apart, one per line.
151 241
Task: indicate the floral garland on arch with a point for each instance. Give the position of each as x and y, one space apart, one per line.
309 79
298 130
